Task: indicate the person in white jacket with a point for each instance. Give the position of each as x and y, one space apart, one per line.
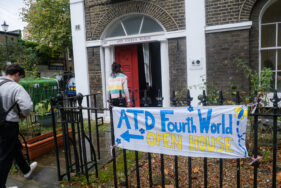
13 95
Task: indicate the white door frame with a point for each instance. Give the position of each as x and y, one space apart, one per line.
108 57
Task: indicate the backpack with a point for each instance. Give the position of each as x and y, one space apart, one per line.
3 113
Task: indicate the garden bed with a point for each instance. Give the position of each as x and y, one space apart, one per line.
44 143
229 171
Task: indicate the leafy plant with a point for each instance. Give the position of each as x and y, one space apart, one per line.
261 83
22 53
43 108
49 25
14 169
180 96
266 155
213 94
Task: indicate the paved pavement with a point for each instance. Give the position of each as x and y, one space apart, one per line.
45 175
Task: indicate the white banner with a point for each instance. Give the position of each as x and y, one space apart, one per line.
211 131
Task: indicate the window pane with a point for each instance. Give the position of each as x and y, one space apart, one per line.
273 81
272 14
268 35
132 24
279 81
279 35
268 59
149 26
115 30
279 60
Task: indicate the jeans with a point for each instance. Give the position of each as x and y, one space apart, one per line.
10 149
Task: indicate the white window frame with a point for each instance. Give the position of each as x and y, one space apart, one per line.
275 48
275 71
119 19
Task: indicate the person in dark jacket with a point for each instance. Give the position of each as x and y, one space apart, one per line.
13 95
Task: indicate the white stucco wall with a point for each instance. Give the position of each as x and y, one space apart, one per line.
79 47
196 47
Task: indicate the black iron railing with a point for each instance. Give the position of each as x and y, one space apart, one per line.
73 114
204 100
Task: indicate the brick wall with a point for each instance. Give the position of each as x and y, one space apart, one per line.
177 65
221 50
228 11
13 38
95 73
223 47
99 13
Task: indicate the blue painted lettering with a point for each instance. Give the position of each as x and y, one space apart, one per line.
205 123
191 126
152 124
164 119
171 127
123 116
179 128
213 128
229 129
135 112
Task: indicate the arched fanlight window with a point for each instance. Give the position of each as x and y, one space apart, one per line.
270 44
133 25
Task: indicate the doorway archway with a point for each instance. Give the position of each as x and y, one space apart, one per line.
145 60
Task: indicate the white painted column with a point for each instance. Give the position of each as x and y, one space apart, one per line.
79 47
165 73
102 64
195 47
108 62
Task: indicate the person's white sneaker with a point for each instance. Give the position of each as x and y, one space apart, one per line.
13 187
32 167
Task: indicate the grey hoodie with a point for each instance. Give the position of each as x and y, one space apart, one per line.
12 92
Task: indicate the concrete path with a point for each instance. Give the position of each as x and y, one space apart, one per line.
45 175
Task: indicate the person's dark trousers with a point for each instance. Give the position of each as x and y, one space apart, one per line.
10 149
117 102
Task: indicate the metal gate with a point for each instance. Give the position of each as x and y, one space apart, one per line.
80 154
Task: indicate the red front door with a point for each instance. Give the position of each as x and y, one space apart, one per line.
127 56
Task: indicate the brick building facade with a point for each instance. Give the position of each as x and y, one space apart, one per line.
99 14
13 36
198 42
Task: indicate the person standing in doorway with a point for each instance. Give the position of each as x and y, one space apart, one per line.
117 82
15 104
